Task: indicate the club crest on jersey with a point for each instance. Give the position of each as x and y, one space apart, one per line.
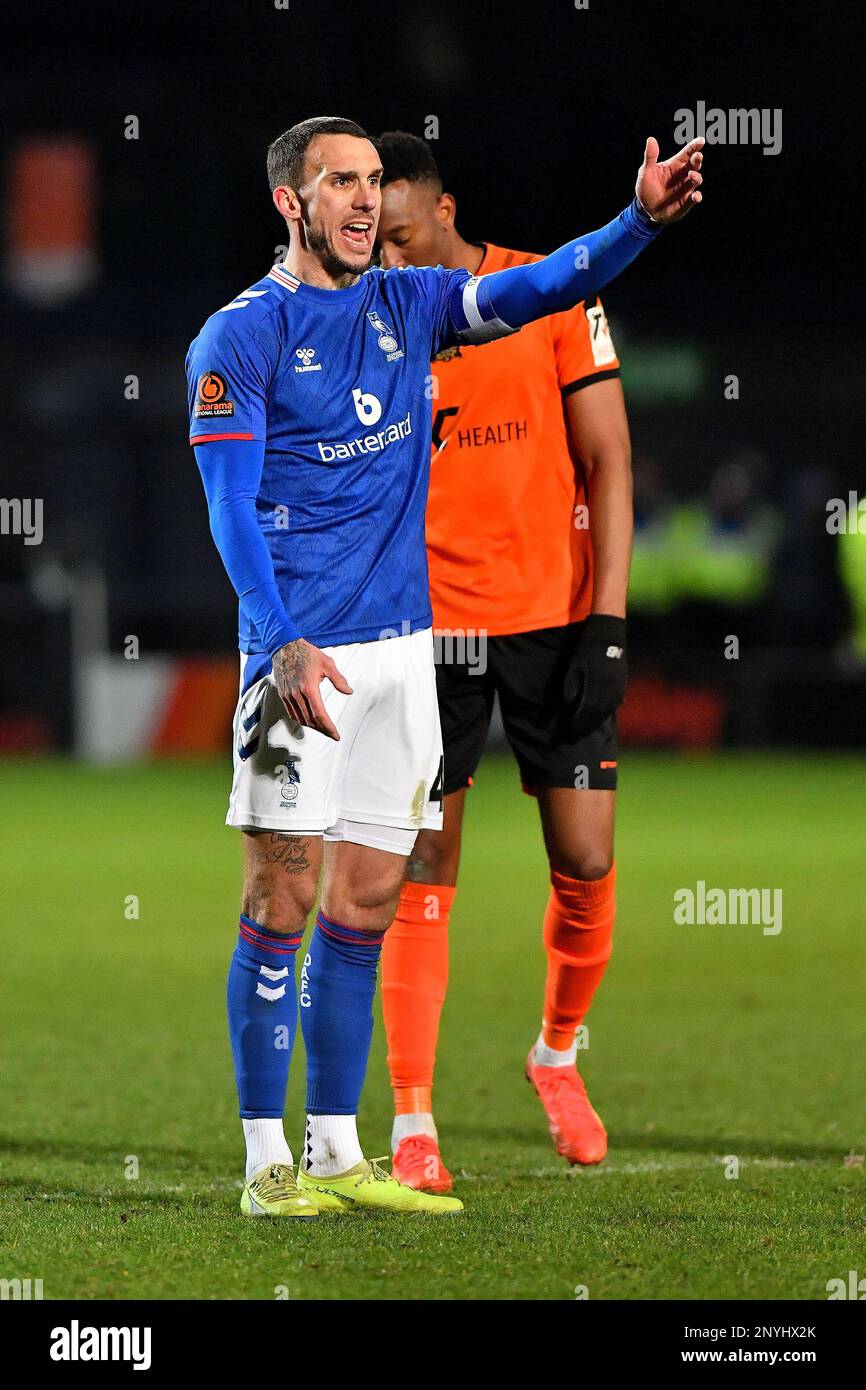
305 356
211 397
387 341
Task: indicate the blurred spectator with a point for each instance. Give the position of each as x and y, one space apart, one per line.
807 605
653 584
724 547
851 551
652 592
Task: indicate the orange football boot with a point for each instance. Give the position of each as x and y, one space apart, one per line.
418 1164
578 1133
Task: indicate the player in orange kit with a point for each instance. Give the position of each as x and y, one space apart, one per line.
530 441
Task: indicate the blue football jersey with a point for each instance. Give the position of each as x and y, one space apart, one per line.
336 384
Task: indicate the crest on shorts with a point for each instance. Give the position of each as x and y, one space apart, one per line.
288 773
288 777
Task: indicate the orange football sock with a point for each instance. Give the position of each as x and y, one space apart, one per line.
578 938
414 981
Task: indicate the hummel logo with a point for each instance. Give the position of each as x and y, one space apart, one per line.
615 652
306 356
263 990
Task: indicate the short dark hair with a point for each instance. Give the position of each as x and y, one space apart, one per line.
406 156
286 154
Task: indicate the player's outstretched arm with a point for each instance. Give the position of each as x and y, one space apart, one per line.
670 189
493 305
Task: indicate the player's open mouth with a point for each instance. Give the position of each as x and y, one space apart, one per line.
358 235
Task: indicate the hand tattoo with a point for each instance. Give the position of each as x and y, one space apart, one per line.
290 665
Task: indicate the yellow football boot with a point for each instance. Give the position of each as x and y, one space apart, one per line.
273 1191
367 1187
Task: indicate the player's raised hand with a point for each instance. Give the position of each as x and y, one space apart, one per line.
299 669
670 189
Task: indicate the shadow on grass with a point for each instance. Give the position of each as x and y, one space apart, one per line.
744 1147
86 1151
655 1141
200 1195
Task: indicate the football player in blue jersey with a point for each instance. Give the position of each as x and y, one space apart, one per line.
309 406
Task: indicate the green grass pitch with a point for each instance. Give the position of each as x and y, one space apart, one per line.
705 1042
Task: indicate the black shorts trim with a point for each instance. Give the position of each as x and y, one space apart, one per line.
573 386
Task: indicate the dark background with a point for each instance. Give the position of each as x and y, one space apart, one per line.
543 112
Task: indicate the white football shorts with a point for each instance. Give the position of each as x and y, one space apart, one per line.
380 784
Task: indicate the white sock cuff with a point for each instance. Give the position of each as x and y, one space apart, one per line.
421 1122
331 1146
544 1056
266 1143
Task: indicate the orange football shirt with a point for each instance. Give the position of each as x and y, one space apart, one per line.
503 549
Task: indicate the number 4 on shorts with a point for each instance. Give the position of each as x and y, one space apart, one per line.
436 789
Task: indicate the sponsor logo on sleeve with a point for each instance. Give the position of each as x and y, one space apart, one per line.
211 400
603 350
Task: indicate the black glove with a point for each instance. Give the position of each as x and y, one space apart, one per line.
597 675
